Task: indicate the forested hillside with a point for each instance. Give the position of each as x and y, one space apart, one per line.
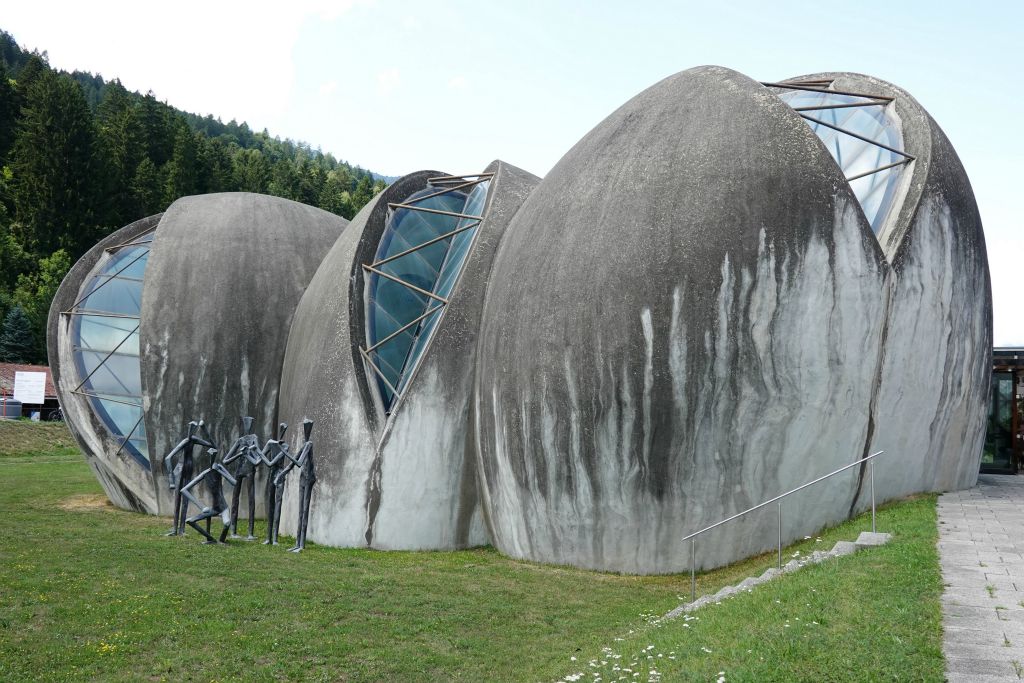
81 157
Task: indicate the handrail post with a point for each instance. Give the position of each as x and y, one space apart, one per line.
693 569
780 535
871 475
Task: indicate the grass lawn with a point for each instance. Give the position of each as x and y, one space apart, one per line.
88 592
20 438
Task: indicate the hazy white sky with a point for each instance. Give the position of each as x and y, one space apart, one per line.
396 86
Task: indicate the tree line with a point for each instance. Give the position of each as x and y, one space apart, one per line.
81 157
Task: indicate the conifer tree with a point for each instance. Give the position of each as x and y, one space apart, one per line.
17 343
121 139
182 169
8 112
54 165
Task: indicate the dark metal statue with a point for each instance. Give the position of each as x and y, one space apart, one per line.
246 450
273 455
181 474
306 480
213 476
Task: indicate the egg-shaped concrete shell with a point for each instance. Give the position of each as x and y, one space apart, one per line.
406 479
683 319
224 275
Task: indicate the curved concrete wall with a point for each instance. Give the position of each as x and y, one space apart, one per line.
405 481
683 320
933 388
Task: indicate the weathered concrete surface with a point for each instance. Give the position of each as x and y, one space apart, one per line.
932 400
406 481
981 550
683 319
225 275
127 483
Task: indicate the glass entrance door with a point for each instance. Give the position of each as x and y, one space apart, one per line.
998 454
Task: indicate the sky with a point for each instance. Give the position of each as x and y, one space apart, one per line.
396 86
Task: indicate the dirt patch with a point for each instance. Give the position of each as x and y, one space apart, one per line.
87 502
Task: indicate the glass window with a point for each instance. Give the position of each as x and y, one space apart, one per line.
105 343
426 254
875 191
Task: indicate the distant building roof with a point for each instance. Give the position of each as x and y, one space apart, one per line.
7 371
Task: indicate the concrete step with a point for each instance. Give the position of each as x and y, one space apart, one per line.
867 539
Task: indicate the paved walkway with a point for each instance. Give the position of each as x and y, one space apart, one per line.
981 549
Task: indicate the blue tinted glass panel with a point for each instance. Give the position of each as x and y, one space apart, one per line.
876 191
433 267
105 343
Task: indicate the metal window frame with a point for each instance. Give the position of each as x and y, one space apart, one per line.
461 182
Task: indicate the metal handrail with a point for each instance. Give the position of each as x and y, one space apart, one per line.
692 538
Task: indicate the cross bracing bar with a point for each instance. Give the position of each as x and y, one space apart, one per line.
111 277
871 103
450 178
856 135
403 328
106 358
105 398
447 190
86 349
435 240
377 370
127 438
133 242
439 212
880 168
794 86
407 284
100 314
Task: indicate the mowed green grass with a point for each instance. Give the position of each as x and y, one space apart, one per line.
88 592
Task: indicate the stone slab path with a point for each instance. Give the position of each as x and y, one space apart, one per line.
981 550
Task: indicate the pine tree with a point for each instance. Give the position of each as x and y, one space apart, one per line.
17 343
8 112
120 135
158 129
55 167
363 193
182 169
251 171
147 189
334 196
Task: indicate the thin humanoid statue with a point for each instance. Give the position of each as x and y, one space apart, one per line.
246 450
273 455
181 474
306 480
213 476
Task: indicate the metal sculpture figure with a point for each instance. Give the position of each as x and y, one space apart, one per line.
213 476
273 455
181 474
306 480
246 449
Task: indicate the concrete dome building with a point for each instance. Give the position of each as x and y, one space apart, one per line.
724 290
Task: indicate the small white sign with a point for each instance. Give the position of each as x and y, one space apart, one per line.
30 387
